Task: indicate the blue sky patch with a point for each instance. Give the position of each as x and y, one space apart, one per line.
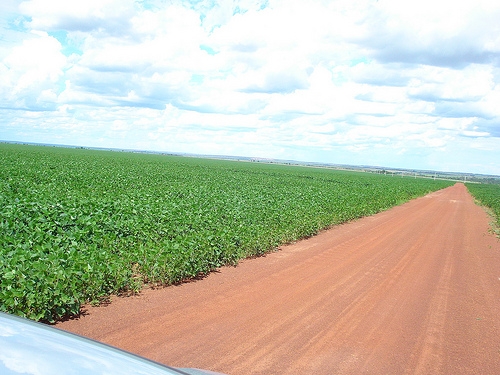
208 49
68 48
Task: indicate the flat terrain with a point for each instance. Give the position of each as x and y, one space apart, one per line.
413 290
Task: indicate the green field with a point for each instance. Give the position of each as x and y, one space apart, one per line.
78 225
489 196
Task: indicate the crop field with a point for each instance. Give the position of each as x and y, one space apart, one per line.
78 225
489 196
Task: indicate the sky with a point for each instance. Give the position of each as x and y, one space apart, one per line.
393 83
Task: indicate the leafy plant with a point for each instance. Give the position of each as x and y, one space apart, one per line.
488 195
78 225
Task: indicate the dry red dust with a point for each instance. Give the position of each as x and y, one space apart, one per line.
413 290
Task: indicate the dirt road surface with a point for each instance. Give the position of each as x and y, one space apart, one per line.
413 290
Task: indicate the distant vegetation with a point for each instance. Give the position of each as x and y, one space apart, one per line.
488 195
78 225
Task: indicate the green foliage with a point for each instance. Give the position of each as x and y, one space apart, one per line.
78 225
488 195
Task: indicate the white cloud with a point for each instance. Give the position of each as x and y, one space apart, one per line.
468 84
111 16
444 33
331 81
31 73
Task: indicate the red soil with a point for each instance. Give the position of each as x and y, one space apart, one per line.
413 290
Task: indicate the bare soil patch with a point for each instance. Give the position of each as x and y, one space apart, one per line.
413 290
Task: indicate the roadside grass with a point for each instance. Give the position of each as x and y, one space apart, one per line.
488 195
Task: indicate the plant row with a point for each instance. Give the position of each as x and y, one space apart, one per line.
78 225
488 195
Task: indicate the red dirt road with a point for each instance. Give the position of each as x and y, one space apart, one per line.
413 290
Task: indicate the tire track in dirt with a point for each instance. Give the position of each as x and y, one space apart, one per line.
413 290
